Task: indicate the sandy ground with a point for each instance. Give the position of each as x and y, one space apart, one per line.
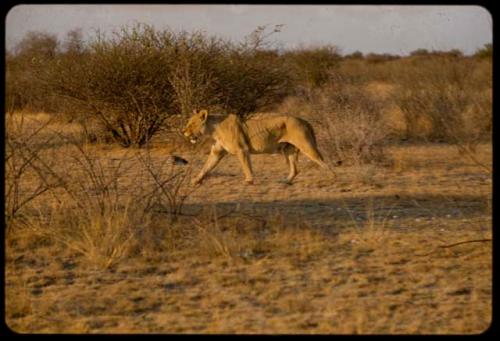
368 252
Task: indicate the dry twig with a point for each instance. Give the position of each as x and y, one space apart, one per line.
455 244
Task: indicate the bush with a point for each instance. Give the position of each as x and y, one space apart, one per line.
420 52
250 80
27 174
23 89
251 75
380 58
123 81
425 53
485 52
95 208
351 120
354 55
442 89
310 67
138 80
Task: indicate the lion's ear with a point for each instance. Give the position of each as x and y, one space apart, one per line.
204 114
195 111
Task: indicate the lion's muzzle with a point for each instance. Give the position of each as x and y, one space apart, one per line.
192 138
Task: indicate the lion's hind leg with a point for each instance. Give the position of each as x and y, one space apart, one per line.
291 154
313 154
246 164
309 148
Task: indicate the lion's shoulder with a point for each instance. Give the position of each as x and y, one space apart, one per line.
229 123
231 133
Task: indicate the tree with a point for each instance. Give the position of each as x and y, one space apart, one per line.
355 55
419 52
23 88
37 45
485 52
74 43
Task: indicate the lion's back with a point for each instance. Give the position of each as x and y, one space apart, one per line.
267 134
263 133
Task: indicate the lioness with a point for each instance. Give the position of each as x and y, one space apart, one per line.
286 134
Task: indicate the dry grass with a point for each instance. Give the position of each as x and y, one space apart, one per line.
359 254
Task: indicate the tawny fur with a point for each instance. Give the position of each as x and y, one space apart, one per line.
272 134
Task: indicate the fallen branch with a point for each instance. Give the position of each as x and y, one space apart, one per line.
456 244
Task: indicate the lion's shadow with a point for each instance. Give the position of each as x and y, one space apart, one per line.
419 208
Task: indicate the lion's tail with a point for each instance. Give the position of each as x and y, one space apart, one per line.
311 149
312 134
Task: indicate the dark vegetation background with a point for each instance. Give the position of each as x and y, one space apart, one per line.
139 80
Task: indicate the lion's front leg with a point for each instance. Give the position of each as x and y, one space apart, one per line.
216 154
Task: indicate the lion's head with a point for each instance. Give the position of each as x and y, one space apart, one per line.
196 125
